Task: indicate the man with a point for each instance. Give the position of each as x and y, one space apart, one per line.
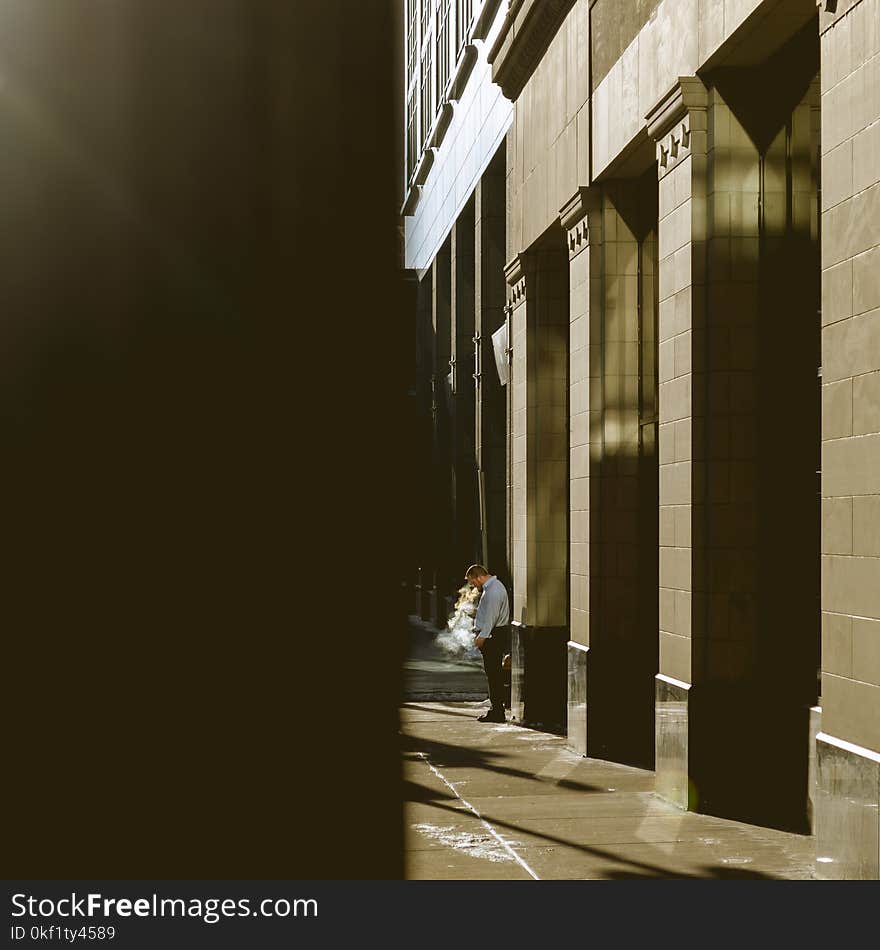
491 631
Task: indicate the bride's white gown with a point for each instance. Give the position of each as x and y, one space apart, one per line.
458 638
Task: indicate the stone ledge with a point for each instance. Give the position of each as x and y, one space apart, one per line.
441 124
408 208
463 68
830 11
485 19
420 175
526 33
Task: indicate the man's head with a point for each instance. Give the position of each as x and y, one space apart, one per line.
477 575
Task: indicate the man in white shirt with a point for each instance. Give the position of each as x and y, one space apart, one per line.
491 630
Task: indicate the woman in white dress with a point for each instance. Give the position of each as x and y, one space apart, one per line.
458 638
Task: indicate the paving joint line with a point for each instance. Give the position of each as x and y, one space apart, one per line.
481 819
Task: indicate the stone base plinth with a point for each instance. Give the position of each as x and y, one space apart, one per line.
671 747
539 671
577 697
847 818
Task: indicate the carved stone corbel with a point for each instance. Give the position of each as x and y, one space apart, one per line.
679 123
581 217
516 273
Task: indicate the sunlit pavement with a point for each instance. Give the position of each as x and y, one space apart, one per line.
502 802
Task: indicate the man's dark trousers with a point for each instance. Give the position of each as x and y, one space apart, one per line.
493 651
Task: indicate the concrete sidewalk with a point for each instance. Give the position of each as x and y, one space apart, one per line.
429 673
502 802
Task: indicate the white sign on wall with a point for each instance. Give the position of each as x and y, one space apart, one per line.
499 345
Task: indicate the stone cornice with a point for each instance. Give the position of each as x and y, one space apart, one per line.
678 123
513 270
528 28
686 95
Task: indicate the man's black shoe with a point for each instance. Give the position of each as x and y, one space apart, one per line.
492 716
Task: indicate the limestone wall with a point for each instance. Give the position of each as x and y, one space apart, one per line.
559 140
851 374
548 143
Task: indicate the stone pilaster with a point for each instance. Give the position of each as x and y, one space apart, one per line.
465 503
538 313
678 124
424 435
848 749
491 422
445 573
581 217
519 274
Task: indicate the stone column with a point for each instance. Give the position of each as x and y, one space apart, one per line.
581 217
424 442
491 423
519 275
737 399
613 474
465 508
848 748
441 486
538 307
678 124
411 304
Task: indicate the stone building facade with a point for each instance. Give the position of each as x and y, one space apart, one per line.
665 214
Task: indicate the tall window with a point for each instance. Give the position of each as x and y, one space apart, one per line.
412 131
412 86
427 92
443 44
435 30
464 15
412 40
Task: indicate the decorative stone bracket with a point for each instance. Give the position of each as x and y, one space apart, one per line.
676 143
581 216
679 123
516 273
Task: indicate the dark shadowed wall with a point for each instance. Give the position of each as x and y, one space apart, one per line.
199 361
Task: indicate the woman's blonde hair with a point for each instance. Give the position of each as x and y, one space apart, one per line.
467 594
